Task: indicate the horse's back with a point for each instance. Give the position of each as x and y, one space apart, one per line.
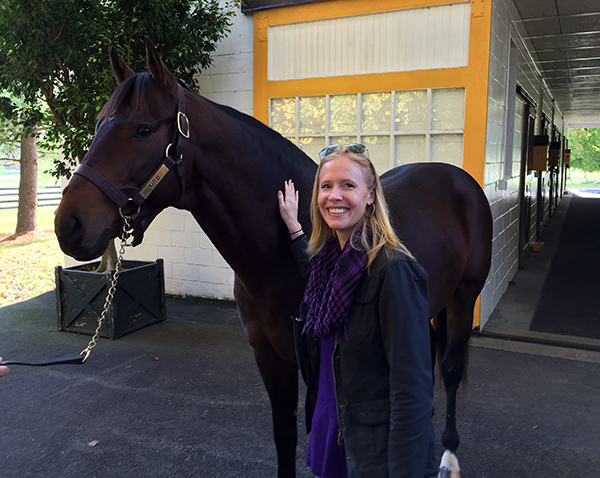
447 187
442 215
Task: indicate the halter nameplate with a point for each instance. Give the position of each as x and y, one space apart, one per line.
154 181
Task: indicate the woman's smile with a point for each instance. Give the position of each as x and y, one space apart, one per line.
337 211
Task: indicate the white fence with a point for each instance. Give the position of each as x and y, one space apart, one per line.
48 196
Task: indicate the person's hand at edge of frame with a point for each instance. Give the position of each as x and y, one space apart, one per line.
3 369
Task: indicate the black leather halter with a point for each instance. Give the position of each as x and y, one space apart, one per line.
130 200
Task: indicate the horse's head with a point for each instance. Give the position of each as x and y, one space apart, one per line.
134 166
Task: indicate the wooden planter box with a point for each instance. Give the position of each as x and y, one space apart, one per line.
139 299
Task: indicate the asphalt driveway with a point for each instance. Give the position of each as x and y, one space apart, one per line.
183 398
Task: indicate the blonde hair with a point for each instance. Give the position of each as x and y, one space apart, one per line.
378 233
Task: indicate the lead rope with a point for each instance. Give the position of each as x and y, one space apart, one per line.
125 234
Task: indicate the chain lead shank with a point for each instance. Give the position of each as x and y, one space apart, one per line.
125 234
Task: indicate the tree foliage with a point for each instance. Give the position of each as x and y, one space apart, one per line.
58 50
585 149
17 119
8 144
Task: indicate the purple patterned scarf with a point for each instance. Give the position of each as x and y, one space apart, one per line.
333 280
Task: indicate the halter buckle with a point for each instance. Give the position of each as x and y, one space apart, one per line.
183 124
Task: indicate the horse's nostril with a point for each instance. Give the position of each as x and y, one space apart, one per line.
76 227
69 228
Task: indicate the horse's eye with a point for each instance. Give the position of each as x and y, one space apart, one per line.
143 131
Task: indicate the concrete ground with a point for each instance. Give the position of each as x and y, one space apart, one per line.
183 398
512 316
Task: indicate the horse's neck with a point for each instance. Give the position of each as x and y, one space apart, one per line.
233 191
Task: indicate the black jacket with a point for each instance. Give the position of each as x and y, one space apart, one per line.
383 372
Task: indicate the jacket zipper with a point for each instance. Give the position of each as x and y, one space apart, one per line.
340 437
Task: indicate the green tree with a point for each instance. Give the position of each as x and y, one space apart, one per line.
585 149
58 50
19 124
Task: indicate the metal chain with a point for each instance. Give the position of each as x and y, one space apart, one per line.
125 234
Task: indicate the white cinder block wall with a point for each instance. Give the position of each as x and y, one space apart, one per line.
192 265
501 182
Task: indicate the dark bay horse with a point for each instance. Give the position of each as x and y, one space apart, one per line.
226 168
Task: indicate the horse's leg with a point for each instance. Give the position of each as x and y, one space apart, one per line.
449 467
459 324
271 338
281 381
458 321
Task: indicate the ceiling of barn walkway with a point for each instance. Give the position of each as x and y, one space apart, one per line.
564 37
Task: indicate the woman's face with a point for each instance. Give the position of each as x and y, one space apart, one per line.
343 196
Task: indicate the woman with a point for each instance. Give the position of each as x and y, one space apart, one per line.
364 349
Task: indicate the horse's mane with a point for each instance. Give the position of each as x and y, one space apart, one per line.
284 150
132 92
246 120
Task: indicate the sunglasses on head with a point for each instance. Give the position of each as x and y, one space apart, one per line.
354 148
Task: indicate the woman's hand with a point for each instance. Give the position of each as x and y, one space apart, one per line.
288 208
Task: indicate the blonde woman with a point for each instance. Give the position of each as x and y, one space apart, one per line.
364 346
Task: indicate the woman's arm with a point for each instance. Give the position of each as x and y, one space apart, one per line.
404 310
288 208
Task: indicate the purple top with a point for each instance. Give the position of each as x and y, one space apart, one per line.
326 458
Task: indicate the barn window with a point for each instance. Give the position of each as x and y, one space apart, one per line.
398 127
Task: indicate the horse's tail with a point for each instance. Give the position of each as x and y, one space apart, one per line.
440 341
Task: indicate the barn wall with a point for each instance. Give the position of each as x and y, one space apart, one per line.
381 42
502 156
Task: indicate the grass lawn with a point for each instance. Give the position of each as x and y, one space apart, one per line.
27 262
579 180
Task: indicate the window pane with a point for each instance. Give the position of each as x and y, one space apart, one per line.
342 110
379 152
410 149
376 111
283 115
312 147
411 111
312 115
448 109
342 140
447 148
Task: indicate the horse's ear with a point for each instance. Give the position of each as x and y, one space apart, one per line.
157 68
118 66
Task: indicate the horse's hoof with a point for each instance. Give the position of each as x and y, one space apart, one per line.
449 467
446 473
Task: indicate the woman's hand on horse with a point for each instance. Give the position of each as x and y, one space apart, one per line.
288 206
